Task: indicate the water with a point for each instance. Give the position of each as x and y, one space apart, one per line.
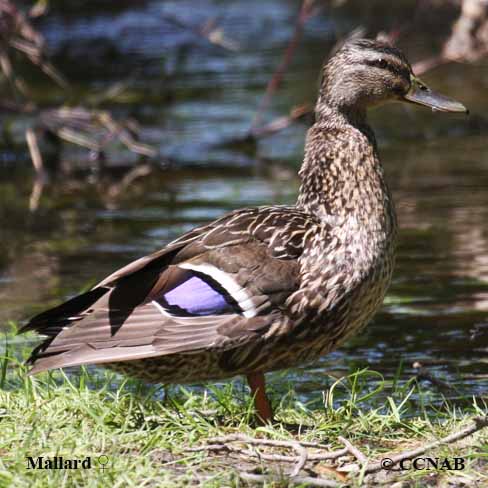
190 97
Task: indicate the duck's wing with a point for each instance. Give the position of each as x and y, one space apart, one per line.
217 287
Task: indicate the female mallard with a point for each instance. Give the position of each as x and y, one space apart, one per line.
264 288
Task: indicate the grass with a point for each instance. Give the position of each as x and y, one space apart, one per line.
145 431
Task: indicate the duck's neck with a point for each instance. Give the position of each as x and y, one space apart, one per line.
342 177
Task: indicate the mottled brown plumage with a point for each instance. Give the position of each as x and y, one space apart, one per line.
266 288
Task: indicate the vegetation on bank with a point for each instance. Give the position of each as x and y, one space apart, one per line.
140 435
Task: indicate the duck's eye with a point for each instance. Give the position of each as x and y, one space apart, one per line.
378 63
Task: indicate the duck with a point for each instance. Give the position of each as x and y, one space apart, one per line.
266 288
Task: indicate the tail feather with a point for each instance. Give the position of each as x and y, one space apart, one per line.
51 321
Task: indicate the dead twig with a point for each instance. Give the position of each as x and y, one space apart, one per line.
208 31
35 153
302 459
468 41
354 451
424 374
225 443
299 111
41 174
89 128
307 10
469 37
298 480
478 423
36 193
92 129
16 33
39 8
281 123
135 173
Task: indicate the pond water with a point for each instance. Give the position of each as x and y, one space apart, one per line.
190 97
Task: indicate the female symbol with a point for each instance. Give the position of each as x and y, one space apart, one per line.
102 461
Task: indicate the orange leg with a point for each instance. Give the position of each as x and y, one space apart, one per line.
258 390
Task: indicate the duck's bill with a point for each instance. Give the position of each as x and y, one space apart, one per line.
421 94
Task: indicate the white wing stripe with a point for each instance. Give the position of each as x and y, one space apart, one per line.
167 314
236 291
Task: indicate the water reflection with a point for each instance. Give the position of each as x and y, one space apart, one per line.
189 99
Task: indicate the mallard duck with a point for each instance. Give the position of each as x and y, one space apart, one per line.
265 288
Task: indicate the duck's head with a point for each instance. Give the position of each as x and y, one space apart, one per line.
365 73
